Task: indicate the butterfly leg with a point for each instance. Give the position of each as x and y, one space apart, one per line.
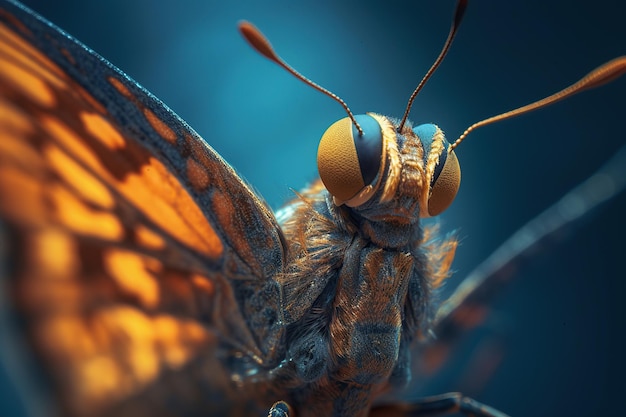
280 409
449 403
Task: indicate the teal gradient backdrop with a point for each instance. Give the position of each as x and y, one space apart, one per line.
564 318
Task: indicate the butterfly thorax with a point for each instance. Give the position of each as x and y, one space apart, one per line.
352 304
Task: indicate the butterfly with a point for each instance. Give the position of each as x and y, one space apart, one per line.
151 220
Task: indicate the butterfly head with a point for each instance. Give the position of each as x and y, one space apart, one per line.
415 163
356 157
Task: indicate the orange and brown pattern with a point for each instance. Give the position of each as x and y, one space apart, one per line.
113 265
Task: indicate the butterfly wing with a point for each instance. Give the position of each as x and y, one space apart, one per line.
130 249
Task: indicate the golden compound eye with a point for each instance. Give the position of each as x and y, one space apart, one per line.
349 163
446 173
445 186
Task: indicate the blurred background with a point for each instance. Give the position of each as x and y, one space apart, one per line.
564 318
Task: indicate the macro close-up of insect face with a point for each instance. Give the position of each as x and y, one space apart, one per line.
151 266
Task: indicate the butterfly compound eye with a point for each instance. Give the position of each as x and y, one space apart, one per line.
445 185
444 171
348 162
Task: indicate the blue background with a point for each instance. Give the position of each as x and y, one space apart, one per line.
564 316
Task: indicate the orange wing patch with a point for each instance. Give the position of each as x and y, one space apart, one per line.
121 264
161 128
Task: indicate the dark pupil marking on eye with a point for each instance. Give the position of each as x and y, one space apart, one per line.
369 147
425 133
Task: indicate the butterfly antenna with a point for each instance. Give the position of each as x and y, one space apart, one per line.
599 76
259 42
458 16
